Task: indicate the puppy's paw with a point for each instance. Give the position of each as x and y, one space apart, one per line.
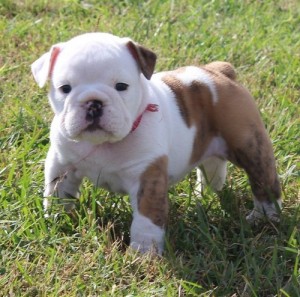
147 248
146 236
254 217
264 209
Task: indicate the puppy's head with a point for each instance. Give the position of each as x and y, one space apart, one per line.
97 85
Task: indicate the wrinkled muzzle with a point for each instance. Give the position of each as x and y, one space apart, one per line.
96 118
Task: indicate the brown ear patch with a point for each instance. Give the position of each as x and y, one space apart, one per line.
145 58
153 192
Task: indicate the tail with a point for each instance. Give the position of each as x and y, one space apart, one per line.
224 67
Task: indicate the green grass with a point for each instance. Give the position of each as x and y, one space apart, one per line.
210 249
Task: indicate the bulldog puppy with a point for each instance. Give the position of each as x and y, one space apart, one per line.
131 131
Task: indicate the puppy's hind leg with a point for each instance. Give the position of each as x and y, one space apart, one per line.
257 159
212 172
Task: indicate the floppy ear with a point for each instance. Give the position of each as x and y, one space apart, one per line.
42 68
145 58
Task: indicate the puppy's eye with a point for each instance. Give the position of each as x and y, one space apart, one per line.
121 86
66 89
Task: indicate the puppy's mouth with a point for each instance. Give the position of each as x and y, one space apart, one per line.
94 126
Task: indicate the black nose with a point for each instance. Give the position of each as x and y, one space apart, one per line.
94 110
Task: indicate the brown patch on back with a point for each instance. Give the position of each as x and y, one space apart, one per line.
235 118
196 108
223 67
181 96
153 192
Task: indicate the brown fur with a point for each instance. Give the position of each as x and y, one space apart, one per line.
223 67
152 195
235 118
195 105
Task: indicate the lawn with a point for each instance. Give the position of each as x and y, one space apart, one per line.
210 248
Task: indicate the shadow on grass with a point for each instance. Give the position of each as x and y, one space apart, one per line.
209 245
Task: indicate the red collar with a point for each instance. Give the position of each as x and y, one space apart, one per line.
150 107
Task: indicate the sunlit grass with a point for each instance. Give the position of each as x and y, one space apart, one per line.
210 249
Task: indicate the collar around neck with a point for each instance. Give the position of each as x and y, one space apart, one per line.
150 107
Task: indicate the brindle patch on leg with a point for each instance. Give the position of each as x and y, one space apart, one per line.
150 217
152 194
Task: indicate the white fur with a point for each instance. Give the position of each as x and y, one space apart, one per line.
146 236
213 172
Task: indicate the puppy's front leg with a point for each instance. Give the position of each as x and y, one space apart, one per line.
151 208
60 181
